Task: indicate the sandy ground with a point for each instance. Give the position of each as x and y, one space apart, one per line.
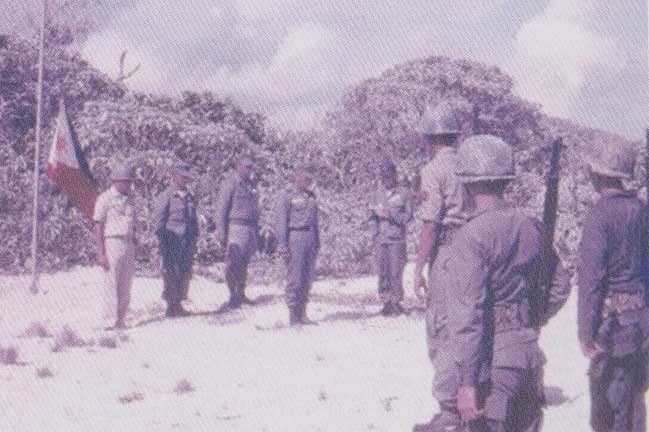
235 370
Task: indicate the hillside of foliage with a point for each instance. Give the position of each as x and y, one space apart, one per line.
375 119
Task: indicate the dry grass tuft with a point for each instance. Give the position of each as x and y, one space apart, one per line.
184 386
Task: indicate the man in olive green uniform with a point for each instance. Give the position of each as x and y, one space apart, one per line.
298 242
442 212
492 275
612 309
237 226
176 227
390 211
114 217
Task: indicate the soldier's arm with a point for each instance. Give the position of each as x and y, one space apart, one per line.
224 204
99 218
402 215
466 279
161 213
282 222
591 272
430 212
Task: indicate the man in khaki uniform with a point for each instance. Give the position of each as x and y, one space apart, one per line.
176 227
298 239
237 227
442 212
114 217
390 211
492 274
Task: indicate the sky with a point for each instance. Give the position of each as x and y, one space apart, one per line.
584 60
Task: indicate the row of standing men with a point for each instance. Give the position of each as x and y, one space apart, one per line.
485 259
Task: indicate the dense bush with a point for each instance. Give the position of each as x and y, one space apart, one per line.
375 119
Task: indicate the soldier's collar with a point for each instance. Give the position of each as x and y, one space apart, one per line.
496 205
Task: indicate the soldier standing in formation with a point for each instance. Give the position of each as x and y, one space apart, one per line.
492 275
237 227
442 212
114 217
391 209
298 242
176 227
612 300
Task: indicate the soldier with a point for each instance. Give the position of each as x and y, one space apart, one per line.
176 227
299 240
441 213
492 275
390 211
612 302
114 217
237 220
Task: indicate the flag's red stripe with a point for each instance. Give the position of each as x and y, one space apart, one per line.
76 185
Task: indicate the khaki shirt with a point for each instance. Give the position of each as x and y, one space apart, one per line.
444 196
117 212
236 202
393 227
298 211
493 263
175 211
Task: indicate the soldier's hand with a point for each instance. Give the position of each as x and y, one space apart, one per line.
467 404
103 262
382 212
592 350
419 286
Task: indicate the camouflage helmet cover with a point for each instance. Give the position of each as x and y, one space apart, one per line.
483 158
616 161
440 120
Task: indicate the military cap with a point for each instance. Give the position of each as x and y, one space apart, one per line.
616 161
440 120
185 170
121 172
483 158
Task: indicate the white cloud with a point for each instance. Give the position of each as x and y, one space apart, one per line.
556 52
291 58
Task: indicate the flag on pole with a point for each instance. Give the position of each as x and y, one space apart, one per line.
68 168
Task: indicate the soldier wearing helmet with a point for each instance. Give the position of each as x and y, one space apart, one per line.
442 212
612 311
490 274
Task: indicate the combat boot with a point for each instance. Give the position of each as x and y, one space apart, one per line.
304 320
444 421
387 309
293 316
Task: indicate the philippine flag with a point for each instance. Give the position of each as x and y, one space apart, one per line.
68 168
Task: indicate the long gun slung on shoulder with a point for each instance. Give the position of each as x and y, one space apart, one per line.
646 164
548 258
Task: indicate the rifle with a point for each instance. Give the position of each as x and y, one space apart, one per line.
646 164
539 301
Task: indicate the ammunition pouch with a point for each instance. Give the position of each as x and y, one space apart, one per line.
625 324
512 316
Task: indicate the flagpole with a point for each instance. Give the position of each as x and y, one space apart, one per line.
37 148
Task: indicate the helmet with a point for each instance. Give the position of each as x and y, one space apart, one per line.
615 161
441 120
484 157
121 172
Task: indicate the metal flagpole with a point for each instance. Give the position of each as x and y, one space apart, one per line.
37 148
